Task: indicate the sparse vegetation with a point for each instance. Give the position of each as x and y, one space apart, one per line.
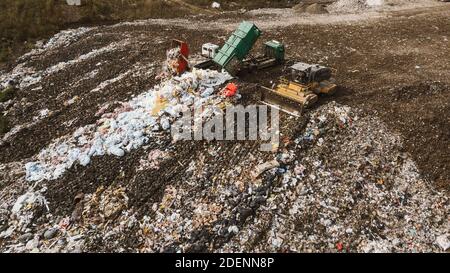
28 20
7 94
4 53
4 126
23 21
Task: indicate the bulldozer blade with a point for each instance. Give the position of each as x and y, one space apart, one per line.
327 88
272 99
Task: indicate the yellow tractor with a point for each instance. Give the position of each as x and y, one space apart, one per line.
309 81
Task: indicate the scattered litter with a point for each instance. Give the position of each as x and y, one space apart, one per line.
230 90
61 39
71 101
264 167
340 160
443 241
27 76
129 127
153 160
215 5
349 6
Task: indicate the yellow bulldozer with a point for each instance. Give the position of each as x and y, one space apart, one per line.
293 96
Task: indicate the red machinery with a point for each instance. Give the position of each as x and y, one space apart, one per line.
182 61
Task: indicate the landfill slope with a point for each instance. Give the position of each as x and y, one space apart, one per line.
365 170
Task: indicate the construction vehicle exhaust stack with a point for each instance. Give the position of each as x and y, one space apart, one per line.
292 97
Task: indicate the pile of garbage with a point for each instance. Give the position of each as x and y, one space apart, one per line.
341 183
173 55
129 126
344 184
25 76
350 6
23 214
350 188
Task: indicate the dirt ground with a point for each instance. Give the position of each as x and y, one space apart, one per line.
391 64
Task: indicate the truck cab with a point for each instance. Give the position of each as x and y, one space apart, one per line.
274 49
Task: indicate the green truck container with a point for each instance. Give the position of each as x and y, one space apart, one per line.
274 49
237 47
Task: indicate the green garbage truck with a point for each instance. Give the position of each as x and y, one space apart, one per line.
273 55
232 56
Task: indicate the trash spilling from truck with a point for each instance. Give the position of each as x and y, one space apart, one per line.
129 126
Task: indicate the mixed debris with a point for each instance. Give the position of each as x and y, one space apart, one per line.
130 126
333 194
325 192
177 59
342 6
340 180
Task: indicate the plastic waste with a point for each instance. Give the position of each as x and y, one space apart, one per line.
264 167
130 125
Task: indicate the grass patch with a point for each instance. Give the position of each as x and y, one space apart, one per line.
7 94
30 20
5 52
4 125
